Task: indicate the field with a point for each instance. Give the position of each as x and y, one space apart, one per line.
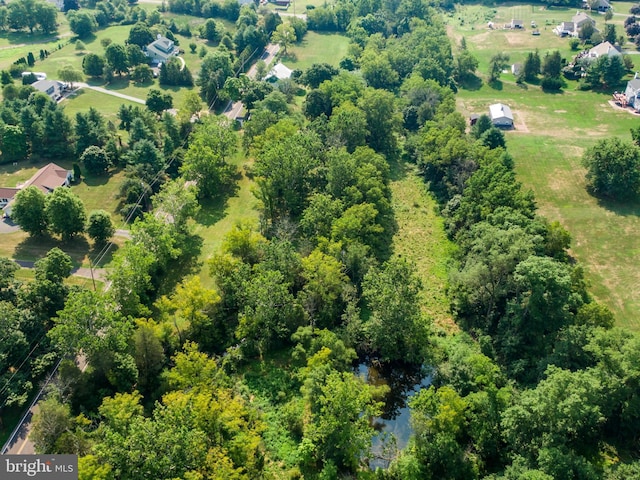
421 240
552 131
317 48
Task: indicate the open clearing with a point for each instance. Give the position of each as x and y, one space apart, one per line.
606 237
317 48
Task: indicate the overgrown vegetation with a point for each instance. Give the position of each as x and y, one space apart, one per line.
253 377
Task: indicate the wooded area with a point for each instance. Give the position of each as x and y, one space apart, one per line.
256 377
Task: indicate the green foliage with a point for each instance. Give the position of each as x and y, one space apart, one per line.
207 160
498 62
65 213
613 169
100 227
338 432
95 160
28 211
396 329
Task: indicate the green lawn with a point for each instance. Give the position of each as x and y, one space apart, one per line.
317 48
84 98
552 131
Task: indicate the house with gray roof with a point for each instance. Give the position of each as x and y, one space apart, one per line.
632 92
161 49
53 88
603 49
501 115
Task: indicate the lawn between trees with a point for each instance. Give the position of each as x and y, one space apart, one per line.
552 132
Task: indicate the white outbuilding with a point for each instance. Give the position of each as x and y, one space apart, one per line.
501 115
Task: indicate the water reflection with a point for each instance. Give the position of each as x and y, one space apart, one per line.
393 425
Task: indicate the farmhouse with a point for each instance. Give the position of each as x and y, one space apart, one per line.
632 93
603 49
46 179
501 115
50 87
161 49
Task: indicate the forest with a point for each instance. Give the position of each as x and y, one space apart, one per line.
256 378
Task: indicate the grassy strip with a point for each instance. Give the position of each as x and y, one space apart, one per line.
421 239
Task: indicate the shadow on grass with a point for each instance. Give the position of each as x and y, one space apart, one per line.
96 82
96 181
471 83
34 248
623 208
215 209
187 264
103 254
496 85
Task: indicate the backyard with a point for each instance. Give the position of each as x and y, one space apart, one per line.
552 131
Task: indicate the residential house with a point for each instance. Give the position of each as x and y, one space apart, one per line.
53 88
580 19
161 49
603 49
278 72
632 93
597 5
565 29
501 115
46 179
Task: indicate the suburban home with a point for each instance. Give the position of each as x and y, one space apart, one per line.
161 49
603 49
580 19
501 115
278 72
632 93
565 29
52 88
46 179
597 5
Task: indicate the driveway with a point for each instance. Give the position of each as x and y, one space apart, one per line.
7 226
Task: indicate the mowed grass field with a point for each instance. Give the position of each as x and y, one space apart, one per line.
317 48
552 132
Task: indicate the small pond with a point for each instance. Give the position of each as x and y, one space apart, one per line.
403 382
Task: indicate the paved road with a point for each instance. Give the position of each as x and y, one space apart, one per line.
234 108
98 273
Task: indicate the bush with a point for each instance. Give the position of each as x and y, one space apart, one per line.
574 43
552 84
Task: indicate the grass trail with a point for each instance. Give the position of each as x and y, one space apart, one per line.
421 239
214 223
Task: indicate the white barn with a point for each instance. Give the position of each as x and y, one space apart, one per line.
501 115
